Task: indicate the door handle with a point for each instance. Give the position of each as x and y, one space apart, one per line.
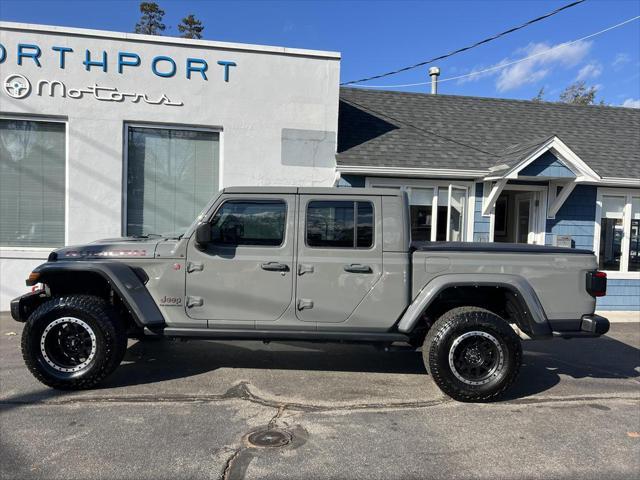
194 267
358 268
275 267
194 302
304 268
305 303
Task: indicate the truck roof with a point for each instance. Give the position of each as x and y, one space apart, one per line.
390 192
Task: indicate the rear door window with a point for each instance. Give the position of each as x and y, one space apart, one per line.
339 224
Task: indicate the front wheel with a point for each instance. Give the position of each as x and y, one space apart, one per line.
73 342
472 354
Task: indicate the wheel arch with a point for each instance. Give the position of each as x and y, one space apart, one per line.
101 278
488 291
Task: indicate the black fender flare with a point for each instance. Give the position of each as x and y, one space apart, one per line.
517 285
121 278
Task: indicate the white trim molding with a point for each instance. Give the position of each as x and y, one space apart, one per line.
567 156
620 181
410 172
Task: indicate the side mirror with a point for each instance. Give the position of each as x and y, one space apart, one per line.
203 234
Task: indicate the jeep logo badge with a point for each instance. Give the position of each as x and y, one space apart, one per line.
168 301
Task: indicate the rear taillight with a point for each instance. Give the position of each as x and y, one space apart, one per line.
597 283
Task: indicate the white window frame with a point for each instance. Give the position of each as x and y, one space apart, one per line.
405 184
162 126
627 194
49 119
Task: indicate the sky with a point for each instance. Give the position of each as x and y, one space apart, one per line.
379 36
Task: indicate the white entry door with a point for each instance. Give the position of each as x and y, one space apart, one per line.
525 217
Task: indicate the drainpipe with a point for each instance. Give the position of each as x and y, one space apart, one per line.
434 73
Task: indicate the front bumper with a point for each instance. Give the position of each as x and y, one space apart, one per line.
22 306
590 326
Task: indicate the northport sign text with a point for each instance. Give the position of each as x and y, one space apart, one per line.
161 65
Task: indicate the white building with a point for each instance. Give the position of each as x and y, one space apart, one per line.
106 134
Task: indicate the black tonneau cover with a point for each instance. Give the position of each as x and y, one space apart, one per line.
493 248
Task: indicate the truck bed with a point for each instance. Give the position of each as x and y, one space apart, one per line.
557 275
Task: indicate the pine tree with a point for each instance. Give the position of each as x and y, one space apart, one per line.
190 27
539 97
151 20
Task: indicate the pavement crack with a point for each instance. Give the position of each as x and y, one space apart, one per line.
228 465
274 420
573 399
242 391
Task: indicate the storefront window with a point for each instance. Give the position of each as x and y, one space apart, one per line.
420 201
443 211
32 183
634 247
171 175
444 222
619 248
611 232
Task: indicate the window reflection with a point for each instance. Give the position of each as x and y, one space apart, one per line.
610 243
340 224
249 223
634 246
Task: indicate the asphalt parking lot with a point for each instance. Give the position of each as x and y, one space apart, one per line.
185 409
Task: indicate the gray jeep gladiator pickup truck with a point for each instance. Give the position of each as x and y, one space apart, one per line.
309 264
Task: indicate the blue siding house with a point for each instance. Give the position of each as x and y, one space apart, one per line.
495 170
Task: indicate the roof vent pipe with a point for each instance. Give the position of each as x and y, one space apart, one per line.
434 73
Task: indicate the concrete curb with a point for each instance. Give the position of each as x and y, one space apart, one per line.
619 316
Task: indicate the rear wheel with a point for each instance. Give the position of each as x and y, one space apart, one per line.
73 342
472 354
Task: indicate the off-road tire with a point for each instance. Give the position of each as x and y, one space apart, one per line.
444 335
110 341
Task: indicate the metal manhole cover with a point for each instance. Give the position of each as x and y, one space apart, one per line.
269 438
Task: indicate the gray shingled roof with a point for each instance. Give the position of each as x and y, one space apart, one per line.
514 154
399 129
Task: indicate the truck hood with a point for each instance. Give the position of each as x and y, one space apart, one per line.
126 247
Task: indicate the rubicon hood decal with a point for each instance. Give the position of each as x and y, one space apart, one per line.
111 248
106 253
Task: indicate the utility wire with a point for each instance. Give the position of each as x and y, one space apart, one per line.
481 42
507 64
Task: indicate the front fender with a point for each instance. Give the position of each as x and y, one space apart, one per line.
538 323
120 277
